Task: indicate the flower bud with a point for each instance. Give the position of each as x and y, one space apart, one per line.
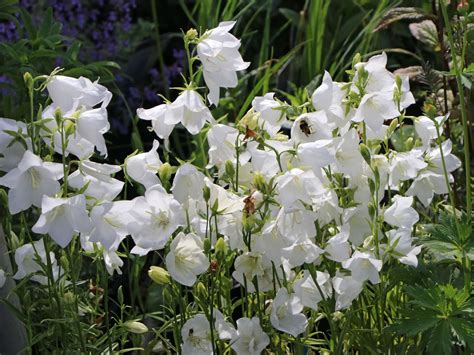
229 168
191 34
201 290
164 172
259 181
68 297
159 275
58 116
206 193
207 245
135 327
392 128
221 247
365 152
28 79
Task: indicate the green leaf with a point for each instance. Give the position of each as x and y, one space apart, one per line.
28 22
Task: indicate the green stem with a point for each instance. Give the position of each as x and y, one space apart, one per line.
72 265
467 158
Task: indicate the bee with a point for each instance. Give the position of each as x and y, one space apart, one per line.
305 127
249 207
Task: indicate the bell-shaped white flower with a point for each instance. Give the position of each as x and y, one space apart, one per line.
286 313
349 161
188 183
400 214
338 247
400 242
302 251
317 154
425 128
112 261
62 217
155 217
196 333
143 167
221 139
218 52
110 221
297 185
30 181
11 151
157 116
375 108
310 127
29 258
434 159
186 259
328 98
271 118
250 265
364 266
189 109
426 184
86 127
358 220
346 289
196 336
249 339
70 93
100 184
309 293
405 166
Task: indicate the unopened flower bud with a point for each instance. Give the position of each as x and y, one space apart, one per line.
206 193
365 152
221 246
191 34
392 128
164 172
201 290
135 327
58 116
207 245
229 168
28 79
159 275
259 181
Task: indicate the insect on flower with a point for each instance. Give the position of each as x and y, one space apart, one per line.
306 128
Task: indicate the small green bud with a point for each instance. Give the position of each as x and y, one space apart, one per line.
28 79
398 82
68 297
221 247
410 143
259 182
167 296
159 275
63 261
337 316
191 34
58 116
229 168
164 172
206 193
120 295
357 59
135 327
14 241
371 185
207 245
365 152
201 290
392 127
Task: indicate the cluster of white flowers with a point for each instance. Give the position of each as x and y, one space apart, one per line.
333 193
